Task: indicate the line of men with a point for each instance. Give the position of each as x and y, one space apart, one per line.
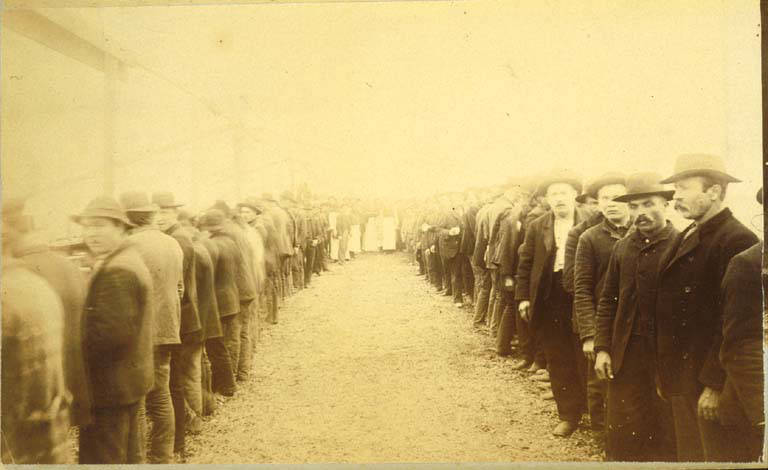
657 334
158 325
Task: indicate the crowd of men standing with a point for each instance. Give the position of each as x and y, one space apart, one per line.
656 333
157 324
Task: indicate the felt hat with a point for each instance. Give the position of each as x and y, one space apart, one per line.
165 200
212 219
105 207
137 201
559 176
699 164
644 185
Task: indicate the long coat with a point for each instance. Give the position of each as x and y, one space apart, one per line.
118 329
190 328
536 263
449 244
741 353
165 261
482 234
206 257
34 393
688 311
628 290
225 274
591 263
69 284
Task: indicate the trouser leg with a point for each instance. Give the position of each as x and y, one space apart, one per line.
176 385
636 428
114 436
231 330
222 374
246 351
457 288
209 401
596 391
506 328
499 302
687 433
468 278
483 289
159 409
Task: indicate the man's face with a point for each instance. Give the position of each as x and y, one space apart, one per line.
612 210
589 201
648 213
166 218
101 234
691 200
248 214
561 197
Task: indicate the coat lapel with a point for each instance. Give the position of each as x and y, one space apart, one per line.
685 246
548 237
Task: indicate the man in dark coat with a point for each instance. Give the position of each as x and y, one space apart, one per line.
67 281
741 409
118 338
544 303
34 397
229 278
622 327
449 237
688 311
591 261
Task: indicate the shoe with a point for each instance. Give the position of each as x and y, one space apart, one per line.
521 364
564 429
544 377
458 304
194 426
447 293
535 367
548 395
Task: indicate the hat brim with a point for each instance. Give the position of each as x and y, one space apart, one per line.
149 208
78 218
582 198
595 186
250 206
545 184
632 196
170 206
718 175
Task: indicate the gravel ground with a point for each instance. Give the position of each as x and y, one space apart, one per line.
369 365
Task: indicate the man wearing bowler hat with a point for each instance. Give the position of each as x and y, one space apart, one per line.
741 410
688 303
118 338
164 259
593 250
186 360
623 325
543 302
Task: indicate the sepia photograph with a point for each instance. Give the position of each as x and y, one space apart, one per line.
497 233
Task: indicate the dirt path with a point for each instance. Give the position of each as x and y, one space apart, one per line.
368 365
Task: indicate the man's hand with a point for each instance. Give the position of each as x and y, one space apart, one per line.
433 249
603 367
509 283
588 347
709 401
525 310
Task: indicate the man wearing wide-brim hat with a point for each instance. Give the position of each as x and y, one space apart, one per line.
741 409
165 261
543 302
117 338
688 303
623 331
186 360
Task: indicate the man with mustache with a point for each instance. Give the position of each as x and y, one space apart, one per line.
688 304
623 325
543 302
593 251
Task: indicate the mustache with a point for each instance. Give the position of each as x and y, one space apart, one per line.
680 205
642 218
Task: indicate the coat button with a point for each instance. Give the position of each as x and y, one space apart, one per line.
687 289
